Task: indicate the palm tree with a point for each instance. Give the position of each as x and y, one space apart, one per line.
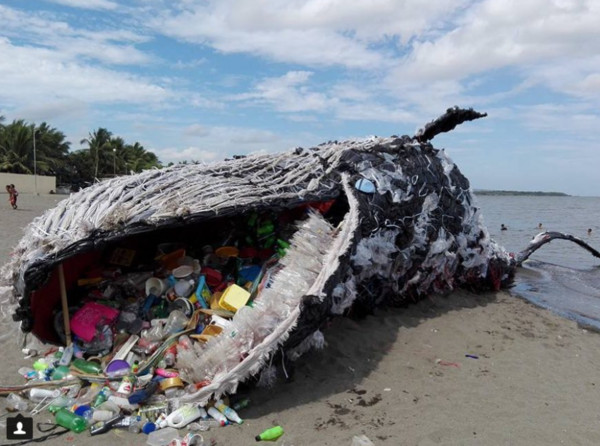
16 147
136 158
51 148
99 144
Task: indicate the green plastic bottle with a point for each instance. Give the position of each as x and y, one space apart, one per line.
92 368
102 396
271 434
68 419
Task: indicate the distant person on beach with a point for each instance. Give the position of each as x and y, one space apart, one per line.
502 227
539 226
12 195
589 231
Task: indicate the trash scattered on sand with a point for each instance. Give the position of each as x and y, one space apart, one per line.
137 323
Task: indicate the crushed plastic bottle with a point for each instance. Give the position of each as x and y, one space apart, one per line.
162 437
361 440
28 373
203 425
102 415
15 402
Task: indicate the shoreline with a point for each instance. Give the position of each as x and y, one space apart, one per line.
401 376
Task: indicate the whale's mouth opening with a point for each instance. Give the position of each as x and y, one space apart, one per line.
297 250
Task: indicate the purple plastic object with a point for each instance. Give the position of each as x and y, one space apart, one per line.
117 367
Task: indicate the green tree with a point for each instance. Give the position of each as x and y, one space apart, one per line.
79 169
134 158
16 148
51 150
100 146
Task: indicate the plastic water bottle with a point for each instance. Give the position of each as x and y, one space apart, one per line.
271 434
241 404
68 419
39 395
213 412
135 424
102 396
61 401
228 412
67 355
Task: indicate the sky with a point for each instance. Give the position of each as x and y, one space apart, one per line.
204 80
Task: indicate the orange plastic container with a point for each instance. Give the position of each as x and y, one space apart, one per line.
227 251
170 260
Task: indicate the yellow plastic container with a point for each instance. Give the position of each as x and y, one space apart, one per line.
234 297
214 303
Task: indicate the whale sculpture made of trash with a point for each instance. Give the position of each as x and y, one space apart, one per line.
403 225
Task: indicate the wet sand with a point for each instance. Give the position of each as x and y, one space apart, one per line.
402 377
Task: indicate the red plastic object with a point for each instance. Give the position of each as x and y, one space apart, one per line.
213 277
248 253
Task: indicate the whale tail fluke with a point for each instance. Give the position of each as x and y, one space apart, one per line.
546 237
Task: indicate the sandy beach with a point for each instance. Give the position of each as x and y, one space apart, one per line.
458 370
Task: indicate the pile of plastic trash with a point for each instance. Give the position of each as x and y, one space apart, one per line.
118 369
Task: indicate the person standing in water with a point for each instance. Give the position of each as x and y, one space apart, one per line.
502 227
540 226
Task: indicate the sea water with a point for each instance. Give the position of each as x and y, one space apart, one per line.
560 276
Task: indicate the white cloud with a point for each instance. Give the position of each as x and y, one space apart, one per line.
87 4
196 130
569 119
293 93
254 136
57 110
496 34
288 93
175 155
110 46
314 33
32 74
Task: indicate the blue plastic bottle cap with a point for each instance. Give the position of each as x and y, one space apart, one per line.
148 427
